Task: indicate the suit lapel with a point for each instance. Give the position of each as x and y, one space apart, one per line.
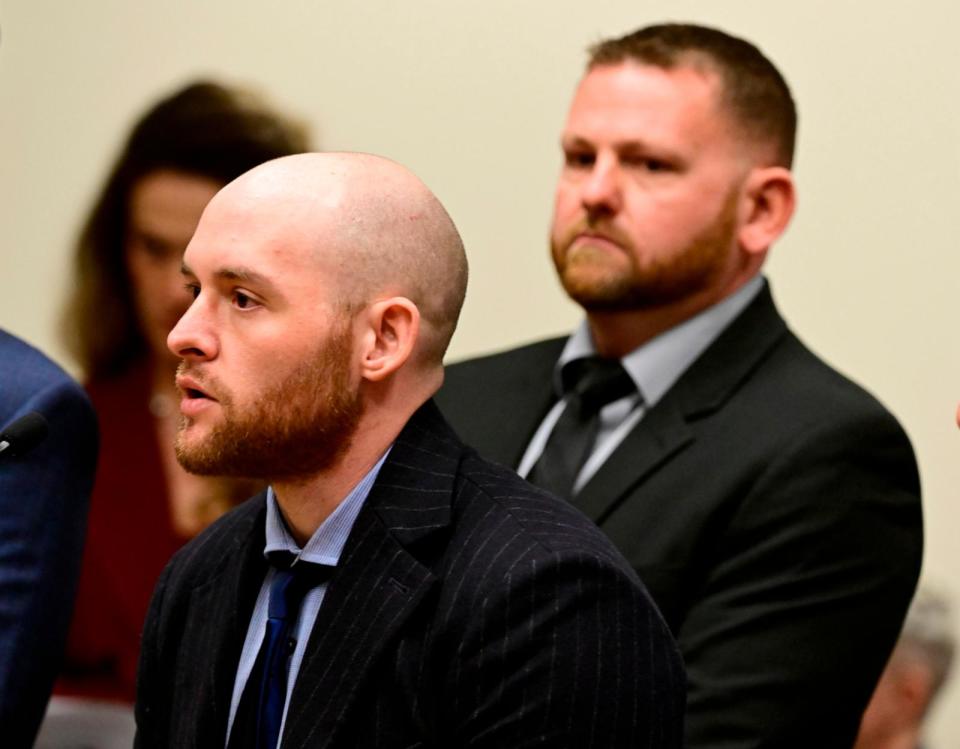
383 575
663 432
667 428
525 402
219 613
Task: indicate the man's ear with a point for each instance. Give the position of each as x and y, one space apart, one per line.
391 333
770 201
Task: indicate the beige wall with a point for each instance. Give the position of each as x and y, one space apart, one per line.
471 95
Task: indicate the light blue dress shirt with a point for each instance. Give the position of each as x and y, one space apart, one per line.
323 547
654 367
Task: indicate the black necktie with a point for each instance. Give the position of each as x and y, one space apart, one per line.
589 384
256 724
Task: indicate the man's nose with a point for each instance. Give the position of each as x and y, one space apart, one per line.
603 190
194 337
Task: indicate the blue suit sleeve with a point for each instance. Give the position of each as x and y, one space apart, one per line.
44 496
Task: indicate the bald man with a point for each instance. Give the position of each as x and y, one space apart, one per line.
390 588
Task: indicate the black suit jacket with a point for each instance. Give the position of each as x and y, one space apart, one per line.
469 609
770 506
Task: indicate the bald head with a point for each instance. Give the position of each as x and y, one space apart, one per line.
370 223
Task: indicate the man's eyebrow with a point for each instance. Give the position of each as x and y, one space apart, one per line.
242 274
627 146
574 141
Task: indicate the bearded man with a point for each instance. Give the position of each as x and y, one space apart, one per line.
390 589
771 506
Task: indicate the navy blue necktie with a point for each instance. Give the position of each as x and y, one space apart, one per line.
588 384
260 712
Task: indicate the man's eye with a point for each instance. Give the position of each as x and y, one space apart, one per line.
193 289
579 159
647 163
242 300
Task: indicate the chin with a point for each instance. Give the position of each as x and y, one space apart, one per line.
189 441
590 289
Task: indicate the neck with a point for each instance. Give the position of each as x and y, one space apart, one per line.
615 334
307 502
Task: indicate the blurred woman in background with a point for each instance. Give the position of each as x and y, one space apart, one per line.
128 295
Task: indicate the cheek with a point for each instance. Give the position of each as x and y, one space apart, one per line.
665 220
566 208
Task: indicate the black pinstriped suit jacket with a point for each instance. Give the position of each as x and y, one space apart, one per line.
469 609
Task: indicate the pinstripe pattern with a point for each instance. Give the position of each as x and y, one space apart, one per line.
469 609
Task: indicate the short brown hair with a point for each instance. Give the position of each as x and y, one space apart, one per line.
754 91
204 129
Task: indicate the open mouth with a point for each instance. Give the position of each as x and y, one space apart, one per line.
191 389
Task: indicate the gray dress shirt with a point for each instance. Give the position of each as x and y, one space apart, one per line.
654 367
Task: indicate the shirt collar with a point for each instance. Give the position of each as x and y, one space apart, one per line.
657 364
327 542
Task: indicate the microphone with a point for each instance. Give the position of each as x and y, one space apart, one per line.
23 435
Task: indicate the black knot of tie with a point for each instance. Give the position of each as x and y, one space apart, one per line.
594 382
588 384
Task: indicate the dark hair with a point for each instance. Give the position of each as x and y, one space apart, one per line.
754 92
204 129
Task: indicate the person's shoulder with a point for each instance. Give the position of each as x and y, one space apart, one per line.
204 556
823 435
511 360
781 372
33 382
477 394
805 384
26 368
495 505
